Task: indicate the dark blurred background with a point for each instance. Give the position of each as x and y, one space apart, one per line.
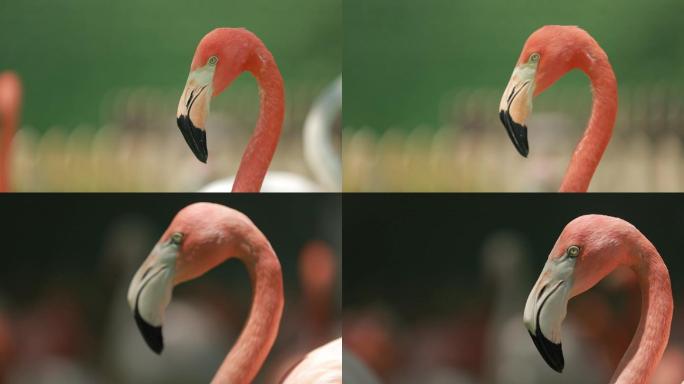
438 284
69 259
423 82
102 81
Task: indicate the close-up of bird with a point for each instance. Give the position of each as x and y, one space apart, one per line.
547 55
510 359
199 238
221 56
589 248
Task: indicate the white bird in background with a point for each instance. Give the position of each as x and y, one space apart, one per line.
319 152
323 365
355 371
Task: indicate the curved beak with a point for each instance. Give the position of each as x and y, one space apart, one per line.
516 105
193 109
150 293
544 313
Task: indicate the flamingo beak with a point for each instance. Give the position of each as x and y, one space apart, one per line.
516 105
193 109
545 310
150 293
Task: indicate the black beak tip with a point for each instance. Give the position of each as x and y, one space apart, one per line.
196 138
516 132
152 335
551 352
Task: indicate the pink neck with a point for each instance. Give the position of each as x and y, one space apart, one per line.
248 355
588 152
8 121
649 341
262 145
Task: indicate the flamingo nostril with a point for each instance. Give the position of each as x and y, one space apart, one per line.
541 291
145 273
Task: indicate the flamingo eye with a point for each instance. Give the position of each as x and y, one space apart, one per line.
213 60
176 238
534 58
573 251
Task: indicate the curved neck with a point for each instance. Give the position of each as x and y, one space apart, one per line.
588 152
319 151
262 145
649 341
248 355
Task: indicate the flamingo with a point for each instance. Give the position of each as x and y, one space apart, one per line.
509 359
588 249
220 57
319 153
10 105
200 237
129 362
547 55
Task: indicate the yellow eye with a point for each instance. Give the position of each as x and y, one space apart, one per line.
213 60
176 238
534 58
573 251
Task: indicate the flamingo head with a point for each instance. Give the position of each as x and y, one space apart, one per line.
549 53
194 243
220 57
587 250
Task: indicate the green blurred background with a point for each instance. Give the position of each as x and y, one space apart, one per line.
423 81
401 57
71 53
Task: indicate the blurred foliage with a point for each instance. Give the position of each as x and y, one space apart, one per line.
140 148
401 57
471 152
71 53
